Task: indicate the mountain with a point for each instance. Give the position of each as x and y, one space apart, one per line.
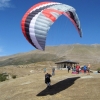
84 54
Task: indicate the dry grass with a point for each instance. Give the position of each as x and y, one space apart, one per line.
65 86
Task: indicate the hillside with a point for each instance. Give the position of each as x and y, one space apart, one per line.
64 87
81 53
29 83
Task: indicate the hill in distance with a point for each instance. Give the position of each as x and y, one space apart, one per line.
83 54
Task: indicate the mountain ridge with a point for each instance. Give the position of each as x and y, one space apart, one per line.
75 52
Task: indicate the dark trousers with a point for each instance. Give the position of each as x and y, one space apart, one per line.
84 71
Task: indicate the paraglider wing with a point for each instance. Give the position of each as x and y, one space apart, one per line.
37 21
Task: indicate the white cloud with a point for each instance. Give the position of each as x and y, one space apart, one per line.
5 4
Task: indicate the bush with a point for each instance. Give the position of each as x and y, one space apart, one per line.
13 76
98 69
3 77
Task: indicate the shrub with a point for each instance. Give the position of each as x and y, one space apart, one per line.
3 77
13 76
98 69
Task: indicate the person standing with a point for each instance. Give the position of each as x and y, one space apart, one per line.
44 70
68 68
77 68
53 71
47 79
88 68
85 68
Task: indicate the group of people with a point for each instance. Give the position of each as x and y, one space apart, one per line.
79 69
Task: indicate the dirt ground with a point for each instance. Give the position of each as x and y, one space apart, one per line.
65 86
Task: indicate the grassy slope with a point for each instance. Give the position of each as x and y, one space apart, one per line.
64 87
81 53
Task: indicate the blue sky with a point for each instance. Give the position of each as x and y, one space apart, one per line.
61 32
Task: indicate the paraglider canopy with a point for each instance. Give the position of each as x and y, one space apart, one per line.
37 21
